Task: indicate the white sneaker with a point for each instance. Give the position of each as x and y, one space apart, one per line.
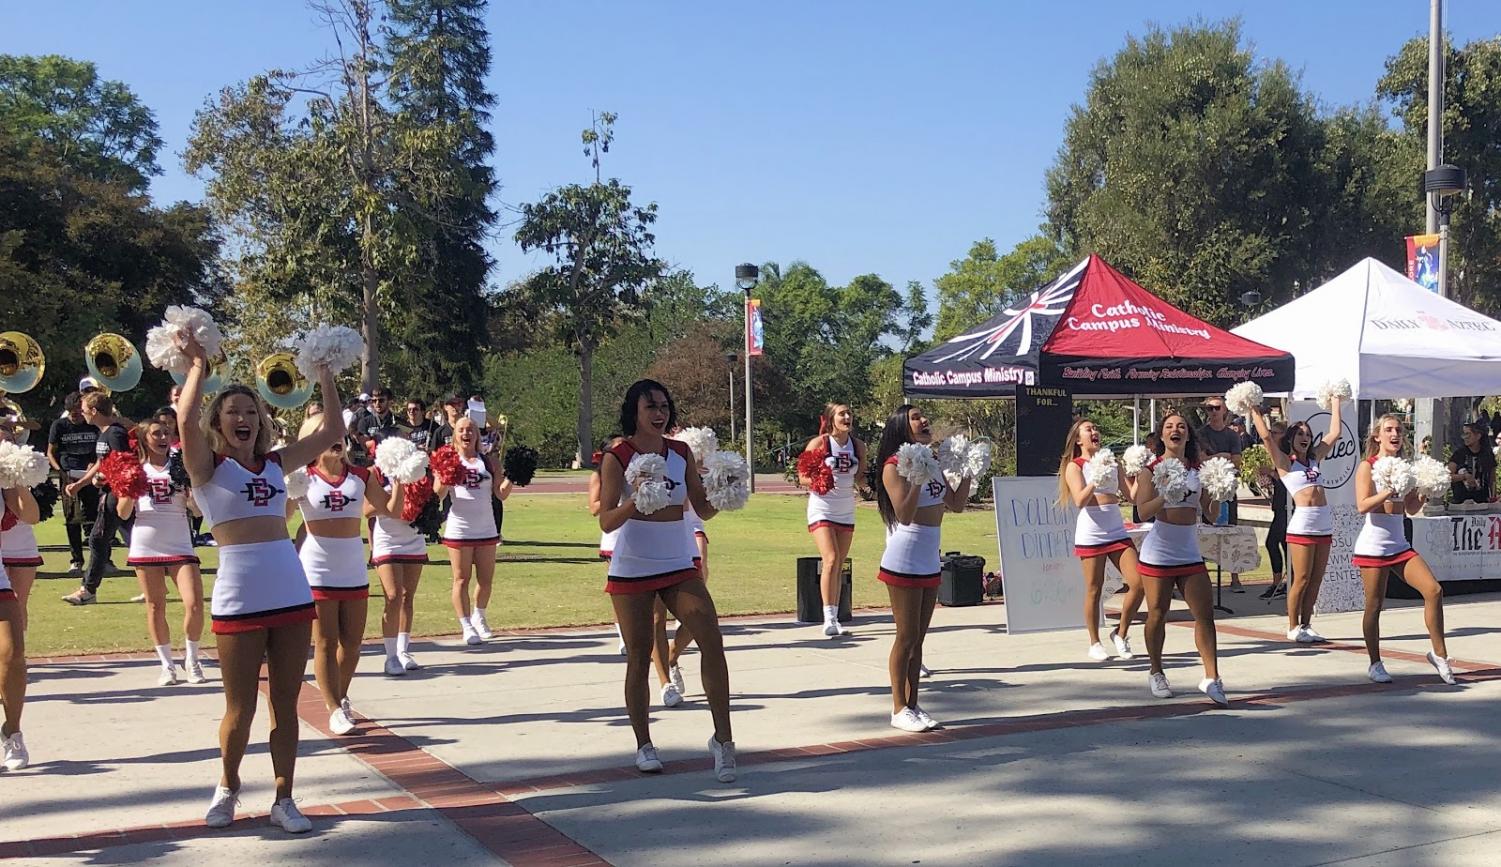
481 627
471 637
167 676
221 810
647 761
408 661
622 647
16 757
285 814
926 720
908 721
1377 673
1157 683
394 668
1097 652
348 708
675 674
724 759
139 597
1122 646
1441 665
1299 634
1215 690
1314 636
339 722
195 672
924 671
670 695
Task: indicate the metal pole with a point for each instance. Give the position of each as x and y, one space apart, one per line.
732 401
1443 259
750 459
1435 100
1136 422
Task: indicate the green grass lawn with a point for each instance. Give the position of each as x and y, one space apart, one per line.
549 573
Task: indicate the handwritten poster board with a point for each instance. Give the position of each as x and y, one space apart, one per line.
1043 417
1044 587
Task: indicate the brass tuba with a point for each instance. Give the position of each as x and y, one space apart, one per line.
21 362
213 382
113 361
281 384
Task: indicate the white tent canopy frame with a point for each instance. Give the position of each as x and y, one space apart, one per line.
1390 337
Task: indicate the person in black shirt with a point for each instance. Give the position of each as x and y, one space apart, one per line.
419 428
1472 468
70 450
453 409
99 411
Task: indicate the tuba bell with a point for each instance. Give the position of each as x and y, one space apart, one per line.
213 383
113 361
281 384
21 362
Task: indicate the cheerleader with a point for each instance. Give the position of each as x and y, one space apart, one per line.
910 565
831 516
161 544
398 552
1381 548
470 533
18 502
18 547
1099 536
1310 531
262 607
1170 558
606 539
333 558
650 561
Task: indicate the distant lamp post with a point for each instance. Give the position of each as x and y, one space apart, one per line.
1250 298
732 358
1441 185
746 276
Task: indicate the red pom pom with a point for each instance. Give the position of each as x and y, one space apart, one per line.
10 520
414 498
124 476
447 466
810 465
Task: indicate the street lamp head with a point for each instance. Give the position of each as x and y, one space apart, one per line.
1250 298
746 275
732 357
1442 184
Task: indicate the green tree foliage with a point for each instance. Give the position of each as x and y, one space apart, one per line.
981 284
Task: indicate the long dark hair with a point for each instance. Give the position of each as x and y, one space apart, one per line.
639 389
1286 443
898 432
1190 446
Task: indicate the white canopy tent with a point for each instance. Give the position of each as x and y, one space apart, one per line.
1390 337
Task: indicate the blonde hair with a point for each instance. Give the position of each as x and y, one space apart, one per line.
142 432
826 418
1372 440
1070 451
216 438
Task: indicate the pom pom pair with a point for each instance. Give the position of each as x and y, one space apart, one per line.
399 460
124 475
1219 478
961 458
1430 477
21 466
447 466
702 441
647 476
165 342
1170 477
328 346
1103 472
727 481
1393 474
813 465
1243 398
1334 389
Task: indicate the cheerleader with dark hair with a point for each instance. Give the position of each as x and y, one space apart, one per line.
836 458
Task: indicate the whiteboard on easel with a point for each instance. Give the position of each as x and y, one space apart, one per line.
1043 585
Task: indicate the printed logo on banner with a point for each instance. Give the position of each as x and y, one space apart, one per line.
1338 467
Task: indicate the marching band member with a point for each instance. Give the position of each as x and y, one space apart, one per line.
831 514
262 607
470 533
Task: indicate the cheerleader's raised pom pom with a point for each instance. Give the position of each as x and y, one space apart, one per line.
21 466
399 460
727 481
1243 398
1218 477
977 458
813 466
702 441
1171 478
1393 474
332 346
124 475
521 465
1103 472
951 455
1431 478
164 342
297 483
446 466
915 463
1136 459
1334 388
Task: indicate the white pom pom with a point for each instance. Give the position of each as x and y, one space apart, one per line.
651 496
915 463
1171 479
1102 471
398 459
977 459
702 441
951 455
726 481
1430 477
647 474
1243 398
21 466
164 342
297 483
1218 477
1329 391
1393 474
332 346
1136 459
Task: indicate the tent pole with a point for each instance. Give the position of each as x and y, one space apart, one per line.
1152 412
1136 422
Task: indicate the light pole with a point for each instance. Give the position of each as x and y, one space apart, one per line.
1442 184
746 276
1433 414
732 358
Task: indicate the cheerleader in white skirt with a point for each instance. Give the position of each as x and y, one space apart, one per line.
651 560
161 544
1170 558
910 564
398 552
470 533
831 516
18 548
1381 549
22 508
1100 536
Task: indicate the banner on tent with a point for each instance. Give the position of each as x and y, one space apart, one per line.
1422 261
1043 588
1341 590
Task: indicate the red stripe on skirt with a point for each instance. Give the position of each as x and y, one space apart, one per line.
176 560
470 543
1082 551
1362 561
1315 541
900 579
340 594
1179 571
268 621
7 593
617 585
399 558
22 561
832 525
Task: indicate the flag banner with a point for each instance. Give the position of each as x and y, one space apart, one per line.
1422 261
755 330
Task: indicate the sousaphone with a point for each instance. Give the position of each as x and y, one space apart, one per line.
22 362
281 384
113 361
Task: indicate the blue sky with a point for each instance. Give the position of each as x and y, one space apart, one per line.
862 137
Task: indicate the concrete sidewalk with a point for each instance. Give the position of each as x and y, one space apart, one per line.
519 751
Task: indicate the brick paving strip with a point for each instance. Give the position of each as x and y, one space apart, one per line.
504 827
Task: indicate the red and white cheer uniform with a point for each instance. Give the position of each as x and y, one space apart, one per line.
18 542
1172 550
161 536
393 540
471 520
335 566
911 555
1099 530
1309 525
836 509
650 555
1381 542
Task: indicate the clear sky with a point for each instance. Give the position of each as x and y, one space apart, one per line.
859 135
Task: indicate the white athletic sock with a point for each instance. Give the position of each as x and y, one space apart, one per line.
390 644
830 613
192 652
464 624
164 654
403 642
479 612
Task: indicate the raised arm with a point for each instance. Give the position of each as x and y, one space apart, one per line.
1148 501
1367 498
1322 447
330 427
956 498
197 454
20 502
1273 447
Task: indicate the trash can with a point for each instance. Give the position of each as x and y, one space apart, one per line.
810 594
962 580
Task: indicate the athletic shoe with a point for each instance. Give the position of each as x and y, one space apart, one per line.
195 671
1441 665
1280 592
908 721
1377 673
79 597
167 677
675 674
409 662
471 637
339 722
1270 591
1215 690
394 668
481 627
670 695
1122 646
348 708
16 757
75 570
139 597
926 720
285 814
1157 683
724 759
924 671
1299 634
622 647
1097 652
1313 637
647 761
221 810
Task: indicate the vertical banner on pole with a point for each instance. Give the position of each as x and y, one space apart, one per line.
1043 417
755 330
1341 590
1423 260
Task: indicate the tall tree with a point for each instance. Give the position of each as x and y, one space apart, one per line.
981 284
917 319
601 245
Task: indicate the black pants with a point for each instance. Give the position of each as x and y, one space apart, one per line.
1276 534
102 541
79 514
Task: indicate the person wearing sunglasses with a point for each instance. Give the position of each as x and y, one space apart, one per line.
1218 440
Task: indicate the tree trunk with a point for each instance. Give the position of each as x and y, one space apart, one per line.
370 358
586 405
